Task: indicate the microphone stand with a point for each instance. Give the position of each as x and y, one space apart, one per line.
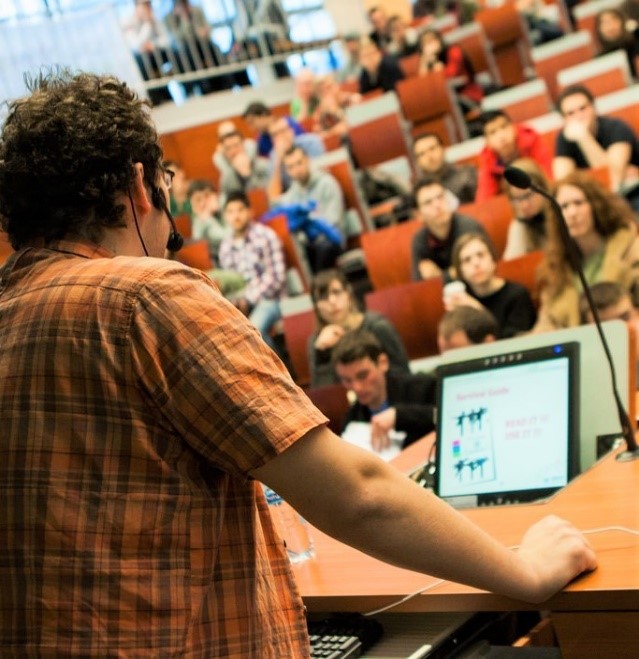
516 178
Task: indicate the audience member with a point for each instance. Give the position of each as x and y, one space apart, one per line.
391 401
466 326
526 231
260 117
149 41
179 194
379 71
191 32
588 140
351 68
207 224
613 34
437 55
612 302
404 40
337 312
432 246
135 441
305 100
604 229
330 114
380 35
461 180
255 252
541 21
284 138
506 142
475 263
236 158
313 187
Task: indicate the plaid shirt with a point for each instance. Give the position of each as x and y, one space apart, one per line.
259 258
134 402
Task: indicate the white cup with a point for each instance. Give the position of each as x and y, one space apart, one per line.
452 289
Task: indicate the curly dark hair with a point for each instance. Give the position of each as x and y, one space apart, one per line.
67 152
609 212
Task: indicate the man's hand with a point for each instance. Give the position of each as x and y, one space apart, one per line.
381 425
242 164
429 269
555 552
461 299
329 336
576 131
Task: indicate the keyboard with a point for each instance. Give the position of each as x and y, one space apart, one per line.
343 636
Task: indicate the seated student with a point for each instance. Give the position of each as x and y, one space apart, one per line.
337 312
542 24
255 252
380 34
259 117
461 180
379 71
179 192
284 138
506 142
241 168
330 114
404 40
588 140
437 55
466 326
475 262
206 222
526 231
313 185
432 246
604 229
612 302
305 99
388 400
613 34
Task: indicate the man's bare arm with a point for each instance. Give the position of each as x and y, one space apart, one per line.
362 501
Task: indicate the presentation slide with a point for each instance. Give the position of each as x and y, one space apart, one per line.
505 429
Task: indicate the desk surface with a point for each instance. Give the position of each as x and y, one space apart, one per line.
344 579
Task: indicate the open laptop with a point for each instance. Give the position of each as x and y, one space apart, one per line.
507 426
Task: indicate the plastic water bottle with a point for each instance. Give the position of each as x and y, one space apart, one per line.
291 527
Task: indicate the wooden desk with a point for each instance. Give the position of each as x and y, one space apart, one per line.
596 616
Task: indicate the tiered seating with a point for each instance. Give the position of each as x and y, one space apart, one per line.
602 75
523 270
522 102
472 39
570 50
494 215
585 13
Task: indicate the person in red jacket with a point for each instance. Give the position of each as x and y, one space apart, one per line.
505 142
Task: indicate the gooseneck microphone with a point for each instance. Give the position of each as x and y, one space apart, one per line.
520 179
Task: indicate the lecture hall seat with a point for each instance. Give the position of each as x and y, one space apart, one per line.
298 327
472 39
601 75
507 32
429 104
523 270
195 253
414 309
388 253
332 401
494 215
521 102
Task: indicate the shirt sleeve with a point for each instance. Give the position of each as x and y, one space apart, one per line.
209 377
270 283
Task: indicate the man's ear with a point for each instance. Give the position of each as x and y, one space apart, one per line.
140 195
383 363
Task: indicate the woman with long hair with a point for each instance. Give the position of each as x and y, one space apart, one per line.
603 227
526 231
612 33
337 312
475 263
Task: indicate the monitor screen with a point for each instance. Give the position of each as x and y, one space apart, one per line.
507 426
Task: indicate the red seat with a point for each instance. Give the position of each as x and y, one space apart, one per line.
415 310
523 270
298 328
494 215
183 225
332 401
292 251
196 255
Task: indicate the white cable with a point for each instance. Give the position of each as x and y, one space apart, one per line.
439 582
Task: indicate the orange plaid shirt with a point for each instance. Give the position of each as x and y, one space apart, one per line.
134 402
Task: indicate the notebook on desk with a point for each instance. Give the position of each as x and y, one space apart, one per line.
507 426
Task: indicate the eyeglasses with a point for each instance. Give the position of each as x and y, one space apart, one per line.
168 175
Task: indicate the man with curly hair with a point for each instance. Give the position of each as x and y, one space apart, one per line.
139 410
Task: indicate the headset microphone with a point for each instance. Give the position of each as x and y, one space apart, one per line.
175 241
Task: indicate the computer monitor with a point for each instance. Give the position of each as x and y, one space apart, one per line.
508 426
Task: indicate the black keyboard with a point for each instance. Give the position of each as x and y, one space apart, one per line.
343 636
